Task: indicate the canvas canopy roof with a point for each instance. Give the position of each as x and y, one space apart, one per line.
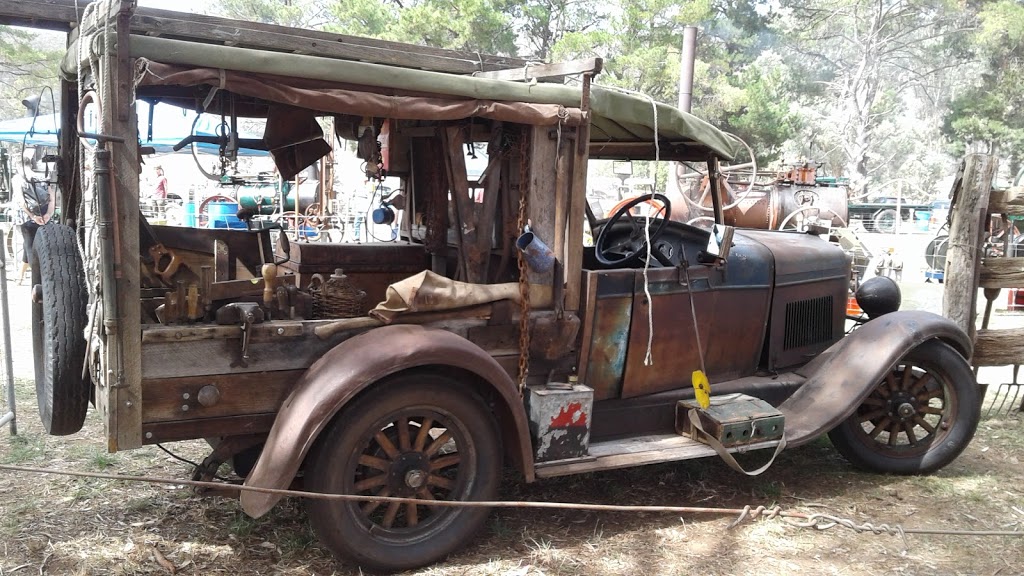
622 125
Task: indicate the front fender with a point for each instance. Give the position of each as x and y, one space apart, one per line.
350 367
841 378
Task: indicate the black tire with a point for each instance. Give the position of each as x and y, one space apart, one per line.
932 390
58 329
885 221
363 452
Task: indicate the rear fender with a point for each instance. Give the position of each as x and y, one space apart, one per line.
841 378
344 371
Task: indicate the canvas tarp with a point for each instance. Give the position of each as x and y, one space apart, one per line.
616 116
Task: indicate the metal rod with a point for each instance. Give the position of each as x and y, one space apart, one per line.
8 363
105 224
686 61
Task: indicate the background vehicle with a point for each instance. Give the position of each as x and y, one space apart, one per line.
492 343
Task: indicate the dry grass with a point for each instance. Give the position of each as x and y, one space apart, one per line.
63 525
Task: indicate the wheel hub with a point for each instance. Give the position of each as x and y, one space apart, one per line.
408 473
903 406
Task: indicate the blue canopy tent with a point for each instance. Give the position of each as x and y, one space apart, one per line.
170 125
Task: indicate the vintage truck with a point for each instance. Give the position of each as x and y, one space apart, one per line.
486 335
879 214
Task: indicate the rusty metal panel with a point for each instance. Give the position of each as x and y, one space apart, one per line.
732 312
560 418
609 332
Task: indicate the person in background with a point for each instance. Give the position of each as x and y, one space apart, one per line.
36 203
158 196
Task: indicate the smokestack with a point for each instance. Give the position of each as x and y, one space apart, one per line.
686 60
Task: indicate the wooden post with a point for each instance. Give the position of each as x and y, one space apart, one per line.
963 257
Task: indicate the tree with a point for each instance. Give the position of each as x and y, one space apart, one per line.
990 112
874 55
282 12
30 61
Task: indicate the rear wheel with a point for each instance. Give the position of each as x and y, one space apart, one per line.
920 417
58 329
417 435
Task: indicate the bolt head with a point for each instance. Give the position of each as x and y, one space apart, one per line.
415 479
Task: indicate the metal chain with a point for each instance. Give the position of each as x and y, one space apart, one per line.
524 280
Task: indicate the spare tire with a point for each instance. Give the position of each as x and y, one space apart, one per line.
59 299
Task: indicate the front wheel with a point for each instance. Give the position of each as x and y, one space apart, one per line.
416 435
919 418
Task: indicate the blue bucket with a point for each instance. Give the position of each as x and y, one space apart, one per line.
190 214
219 211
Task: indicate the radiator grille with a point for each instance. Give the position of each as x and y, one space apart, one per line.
808 322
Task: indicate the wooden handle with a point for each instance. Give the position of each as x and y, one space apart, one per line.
269 283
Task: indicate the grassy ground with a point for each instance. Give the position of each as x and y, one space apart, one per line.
62 525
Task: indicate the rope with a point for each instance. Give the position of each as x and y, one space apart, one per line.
796 519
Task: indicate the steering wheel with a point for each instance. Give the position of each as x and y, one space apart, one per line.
614 248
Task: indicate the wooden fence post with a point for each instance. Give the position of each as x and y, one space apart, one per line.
966 234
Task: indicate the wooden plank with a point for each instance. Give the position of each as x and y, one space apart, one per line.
1002 273
259 332
465 229
577 213
999 347
488 210
540 71
224 356
963 270
157 432
171 399
119 120
542 193
1009 202
62 14
637 451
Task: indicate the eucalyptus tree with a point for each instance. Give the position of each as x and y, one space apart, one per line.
875 59
988 113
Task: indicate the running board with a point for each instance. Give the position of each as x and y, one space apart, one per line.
637 451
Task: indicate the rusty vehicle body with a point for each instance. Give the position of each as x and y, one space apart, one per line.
464 344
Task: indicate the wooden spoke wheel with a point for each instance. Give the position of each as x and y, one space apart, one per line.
203 211
918 419
417 435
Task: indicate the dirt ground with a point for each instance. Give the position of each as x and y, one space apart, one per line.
53 524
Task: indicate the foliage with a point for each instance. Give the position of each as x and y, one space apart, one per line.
989 111
29 63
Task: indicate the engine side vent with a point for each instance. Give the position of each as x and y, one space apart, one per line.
808 322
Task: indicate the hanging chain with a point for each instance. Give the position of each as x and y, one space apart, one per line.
524 280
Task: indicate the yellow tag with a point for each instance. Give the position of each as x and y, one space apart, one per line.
702 388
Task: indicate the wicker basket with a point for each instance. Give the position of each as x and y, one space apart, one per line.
335 297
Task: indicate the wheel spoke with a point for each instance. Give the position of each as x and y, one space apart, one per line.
881 426
374 462
438 443
403 434
372 482
908 371
389 516
386 445
894 430
890 379
924 424
873 414
872 401
921 383
929 394
369 507
411 515
445 461
931 410
424 433
908 427
440 482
